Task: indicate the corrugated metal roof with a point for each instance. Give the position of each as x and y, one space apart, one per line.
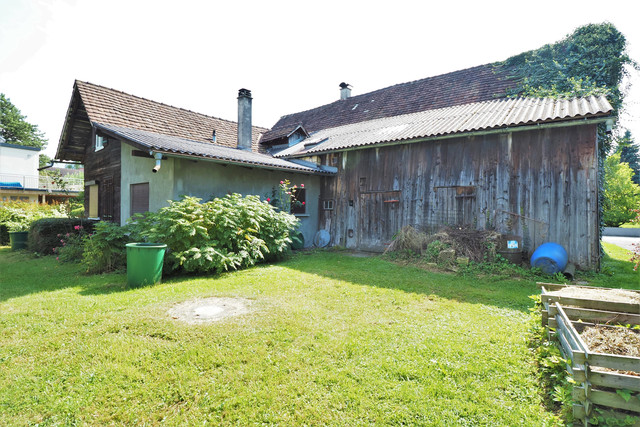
451 120
176 145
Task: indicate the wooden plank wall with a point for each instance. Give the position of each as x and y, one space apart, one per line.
539 184
104 167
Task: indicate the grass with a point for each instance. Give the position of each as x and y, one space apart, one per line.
331 339
617 270
630 225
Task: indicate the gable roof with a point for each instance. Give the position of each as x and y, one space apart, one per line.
174 145
477 84
91 104
478 116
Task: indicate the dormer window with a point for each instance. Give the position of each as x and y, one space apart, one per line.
101 141
296 137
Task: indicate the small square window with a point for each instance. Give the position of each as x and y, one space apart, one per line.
327 205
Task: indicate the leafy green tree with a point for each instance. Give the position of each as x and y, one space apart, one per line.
593 60
14 127
630 153
621 195
44 160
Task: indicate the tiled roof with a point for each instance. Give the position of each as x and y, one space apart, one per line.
477 84
452 120
281 132
109 106
182 146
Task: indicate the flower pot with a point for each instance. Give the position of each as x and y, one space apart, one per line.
18 239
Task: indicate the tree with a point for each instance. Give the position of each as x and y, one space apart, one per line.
43 160
593 60
630 153
621 195
14 127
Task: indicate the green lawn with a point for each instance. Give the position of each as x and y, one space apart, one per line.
331 339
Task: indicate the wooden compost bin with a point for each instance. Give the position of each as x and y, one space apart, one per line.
597 374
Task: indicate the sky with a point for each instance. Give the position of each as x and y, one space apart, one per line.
292 55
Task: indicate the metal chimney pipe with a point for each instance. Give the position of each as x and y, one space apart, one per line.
345 90
244 119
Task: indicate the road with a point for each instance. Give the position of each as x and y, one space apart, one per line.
624 242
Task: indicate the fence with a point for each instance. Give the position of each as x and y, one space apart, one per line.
41 182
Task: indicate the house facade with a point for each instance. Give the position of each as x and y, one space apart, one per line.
446 150
140 154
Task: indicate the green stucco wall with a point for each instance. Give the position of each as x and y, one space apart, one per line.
204 179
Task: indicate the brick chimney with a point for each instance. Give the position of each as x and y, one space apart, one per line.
345 90
244 119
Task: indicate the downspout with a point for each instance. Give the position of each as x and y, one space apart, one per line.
158 157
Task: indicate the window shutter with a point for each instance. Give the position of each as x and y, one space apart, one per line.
139 198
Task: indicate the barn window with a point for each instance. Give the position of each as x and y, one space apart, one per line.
139 198
327 205
299 202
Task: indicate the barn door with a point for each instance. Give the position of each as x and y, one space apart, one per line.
455 205
107 198
379 219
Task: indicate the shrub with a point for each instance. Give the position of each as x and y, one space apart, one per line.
18 216
71 245
105 250
4 234
222 234
45 234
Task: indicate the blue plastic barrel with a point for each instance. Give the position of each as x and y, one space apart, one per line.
550 257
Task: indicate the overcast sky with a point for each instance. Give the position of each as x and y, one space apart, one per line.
291 54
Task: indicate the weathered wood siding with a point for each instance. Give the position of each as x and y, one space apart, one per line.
539 184
103 167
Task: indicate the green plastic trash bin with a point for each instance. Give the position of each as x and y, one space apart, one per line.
18 239
144 263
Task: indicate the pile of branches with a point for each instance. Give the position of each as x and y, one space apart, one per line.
477 245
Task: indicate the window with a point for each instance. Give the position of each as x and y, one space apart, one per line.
327 205
100 142
139 198
299 201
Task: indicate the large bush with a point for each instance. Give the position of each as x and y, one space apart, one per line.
18 216
45 234
222 234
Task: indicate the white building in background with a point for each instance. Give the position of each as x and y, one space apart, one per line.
20 179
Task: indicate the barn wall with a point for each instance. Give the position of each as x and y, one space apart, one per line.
540 184
103 168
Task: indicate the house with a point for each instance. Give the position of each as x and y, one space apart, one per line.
451 149
138 154
20 180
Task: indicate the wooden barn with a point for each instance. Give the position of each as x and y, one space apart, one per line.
453 149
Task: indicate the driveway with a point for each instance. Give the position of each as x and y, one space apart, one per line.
623 242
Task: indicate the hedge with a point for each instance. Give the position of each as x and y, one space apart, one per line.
44 233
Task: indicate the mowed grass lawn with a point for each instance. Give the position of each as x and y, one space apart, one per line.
331 339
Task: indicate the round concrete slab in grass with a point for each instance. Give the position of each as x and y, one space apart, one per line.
209 309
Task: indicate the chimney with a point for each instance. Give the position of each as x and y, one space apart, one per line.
345 90
244 119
